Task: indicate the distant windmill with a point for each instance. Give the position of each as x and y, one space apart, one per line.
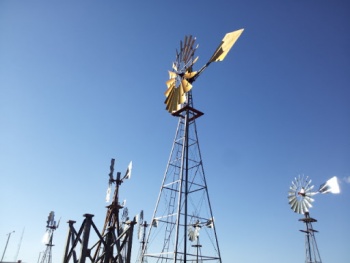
51 226
114 242
300 198
141 235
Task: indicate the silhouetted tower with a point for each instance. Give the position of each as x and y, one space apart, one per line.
114 242
183 211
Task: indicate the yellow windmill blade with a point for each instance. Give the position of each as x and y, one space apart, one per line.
189 75
188 50
171 85
185 86
172 101
225 46
179 79
172 75
176 96
168 99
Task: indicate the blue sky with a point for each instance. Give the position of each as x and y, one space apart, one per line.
82 82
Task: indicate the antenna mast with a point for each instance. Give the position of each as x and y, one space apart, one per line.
19 245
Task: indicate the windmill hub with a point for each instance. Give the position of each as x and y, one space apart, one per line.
302 192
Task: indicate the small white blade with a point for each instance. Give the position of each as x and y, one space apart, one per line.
108 195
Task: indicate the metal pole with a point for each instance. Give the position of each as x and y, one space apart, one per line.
9 235
186 181
39 256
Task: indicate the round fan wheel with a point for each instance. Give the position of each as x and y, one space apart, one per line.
179 82
300 193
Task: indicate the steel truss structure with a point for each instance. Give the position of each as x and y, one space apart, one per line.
113 244
182 227
312 255
48 238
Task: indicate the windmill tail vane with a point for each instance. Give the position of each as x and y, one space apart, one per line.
331 186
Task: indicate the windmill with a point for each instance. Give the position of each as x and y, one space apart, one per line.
300 198
51 226
118 228
183 200
141 235
114 242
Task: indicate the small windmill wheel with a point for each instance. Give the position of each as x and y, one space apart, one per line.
300 193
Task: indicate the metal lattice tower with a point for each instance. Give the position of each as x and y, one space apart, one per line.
48 238
312 255
183 211
114 242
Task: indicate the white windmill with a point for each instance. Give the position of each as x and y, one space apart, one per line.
51 226
300 198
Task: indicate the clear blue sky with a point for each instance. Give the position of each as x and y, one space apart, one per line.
82 82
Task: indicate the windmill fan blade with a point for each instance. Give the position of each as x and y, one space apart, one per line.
307 203
309 199
139 232
225 46
170 84
192 235
210 223
307 190
174 99
45 238
175 67
172 74
125 214
189 75
303 208
186 86
195 60
292 201
299 210
291 197
186 50
294 205
128 171
293 187
108 195
111 168
141 216
155 222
